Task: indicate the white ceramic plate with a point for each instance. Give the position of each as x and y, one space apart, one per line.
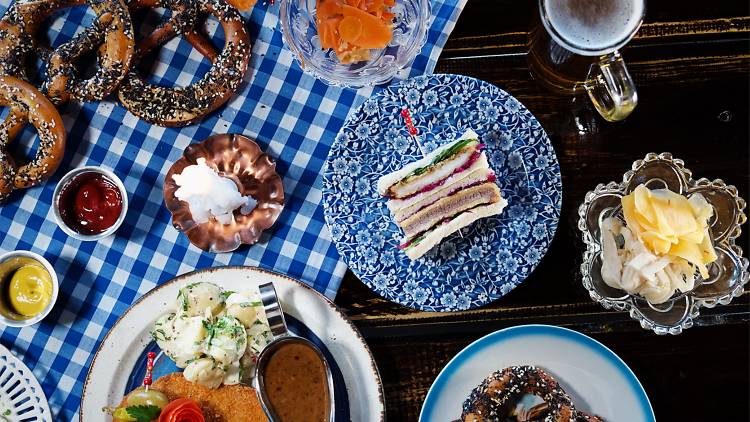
598 380
21 396
124 345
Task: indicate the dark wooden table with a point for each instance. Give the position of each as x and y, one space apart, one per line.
691 62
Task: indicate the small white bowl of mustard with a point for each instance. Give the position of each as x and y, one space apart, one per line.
28 288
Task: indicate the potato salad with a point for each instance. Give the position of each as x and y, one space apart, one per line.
214 335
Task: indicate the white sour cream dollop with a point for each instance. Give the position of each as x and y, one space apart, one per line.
209 195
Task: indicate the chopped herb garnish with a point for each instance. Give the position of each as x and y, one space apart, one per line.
185 303
160 334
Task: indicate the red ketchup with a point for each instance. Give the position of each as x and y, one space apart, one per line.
90 203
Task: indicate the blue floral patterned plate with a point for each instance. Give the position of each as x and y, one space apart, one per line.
490 257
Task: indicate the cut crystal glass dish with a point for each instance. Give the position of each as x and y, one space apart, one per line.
727 275
410 26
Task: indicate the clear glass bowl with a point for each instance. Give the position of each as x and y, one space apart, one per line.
301 36
727 275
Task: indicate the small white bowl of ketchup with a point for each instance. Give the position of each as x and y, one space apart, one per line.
90 203
28 288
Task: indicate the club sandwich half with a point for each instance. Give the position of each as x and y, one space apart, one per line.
443 192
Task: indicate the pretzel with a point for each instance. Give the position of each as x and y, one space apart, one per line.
27 104
15 44
111 34
182 106
495 397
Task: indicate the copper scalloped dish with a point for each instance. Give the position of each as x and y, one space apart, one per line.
238 158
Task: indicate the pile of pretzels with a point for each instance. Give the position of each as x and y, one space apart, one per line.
111 38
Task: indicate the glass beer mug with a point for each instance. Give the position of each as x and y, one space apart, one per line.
575 48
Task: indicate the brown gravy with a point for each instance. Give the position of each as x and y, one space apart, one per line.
296 384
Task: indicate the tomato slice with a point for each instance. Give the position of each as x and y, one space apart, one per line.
182 410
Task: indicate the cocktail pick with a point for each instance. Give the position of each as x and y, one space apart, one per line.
148 379
412 130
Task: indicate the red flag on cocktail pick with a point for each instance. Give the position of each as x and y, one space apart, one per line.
409 124
411 129
147 380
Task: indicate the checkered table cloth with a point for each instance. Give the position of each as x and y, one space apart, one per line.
293 116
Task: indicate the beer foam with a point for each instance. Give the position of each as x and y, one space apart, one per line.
592 27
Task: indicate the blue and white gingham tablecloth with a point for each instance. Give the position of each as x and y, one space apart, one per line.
293 116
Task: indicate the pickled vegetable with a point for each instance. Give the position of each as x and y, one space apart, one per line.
142 397
352 27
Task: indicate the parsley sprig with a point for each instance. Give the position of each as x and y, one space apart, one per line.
143 413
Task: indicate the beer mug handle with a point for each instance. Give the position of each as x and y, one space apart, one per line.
610 87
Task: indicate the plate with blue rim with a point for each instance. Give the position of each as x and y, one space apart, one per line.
488 258
595 378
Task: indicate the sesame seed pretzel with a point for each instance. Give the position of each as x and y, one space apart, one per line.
15 44
495 397
27 104
110 35
180 106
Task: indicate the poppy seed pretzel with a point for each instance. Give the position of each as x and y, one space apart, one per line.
15 44
495 397
111 35
182 106
183 22
27 104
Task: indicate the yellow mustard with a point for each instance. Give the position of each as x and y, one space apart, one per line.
27 285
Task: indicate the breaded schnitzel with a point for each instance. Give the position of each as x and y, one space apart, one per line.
228 403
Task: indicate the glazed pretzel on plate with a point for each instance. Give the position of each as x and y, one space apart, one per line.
495 397
182 106
27 104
